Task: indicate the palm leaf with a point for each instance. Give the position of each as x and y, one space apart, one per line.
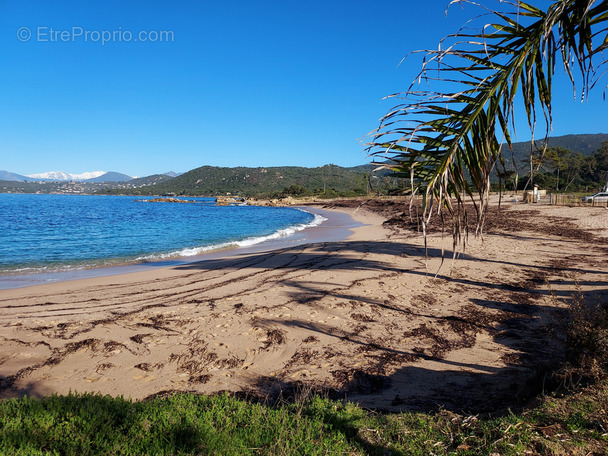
448 142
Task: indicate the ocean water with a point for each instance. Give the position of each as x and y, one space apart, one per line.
42 233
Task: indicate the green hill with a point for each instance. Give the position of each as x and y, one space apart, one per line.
213 180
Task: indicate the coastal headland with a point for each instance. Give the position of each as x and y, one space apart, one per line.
374 318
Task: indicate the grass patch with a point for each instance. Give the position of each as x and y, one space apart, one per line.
181 424
187 424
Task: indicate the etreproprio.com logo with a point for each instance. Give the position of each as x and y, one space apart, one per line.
80 34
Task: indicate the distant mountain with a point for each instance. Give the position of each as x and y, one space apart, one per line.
8 176
63 176
172 174
110 176
149 180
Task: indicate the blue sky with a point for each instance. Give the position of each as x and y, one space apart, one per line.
232 83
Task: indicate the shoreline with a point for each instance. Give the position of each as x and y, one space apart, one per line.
335 227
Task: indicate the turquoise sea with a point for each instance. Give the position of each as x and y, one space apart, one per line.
48 233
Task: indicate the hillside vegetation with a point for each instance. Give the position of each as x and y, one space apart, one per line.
584 144
330 180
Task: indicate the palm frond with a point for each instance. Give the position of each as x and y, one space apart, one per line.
447 142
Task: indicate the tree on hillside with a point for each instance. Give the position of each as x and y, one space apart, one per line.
446 136
598 167
566 164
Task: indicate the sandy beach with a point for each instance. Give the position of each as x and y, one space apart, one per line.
367 318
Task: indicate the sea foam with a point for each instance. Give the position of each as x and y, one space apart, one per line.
247 242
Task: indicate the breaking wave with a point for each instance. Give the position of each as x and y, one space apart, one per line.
247 242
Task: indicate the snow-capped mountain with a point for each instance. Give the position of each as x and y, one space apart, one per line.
62 176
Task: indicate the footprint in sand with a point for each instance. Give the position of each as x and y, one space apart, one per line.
144 378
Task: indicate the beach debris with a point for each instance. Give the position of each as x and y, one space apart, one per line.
274 336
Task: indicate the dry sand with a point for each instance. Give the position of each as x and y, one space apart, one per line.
363 318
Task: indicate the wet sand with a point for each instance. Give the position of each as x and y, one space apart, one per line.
365 317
